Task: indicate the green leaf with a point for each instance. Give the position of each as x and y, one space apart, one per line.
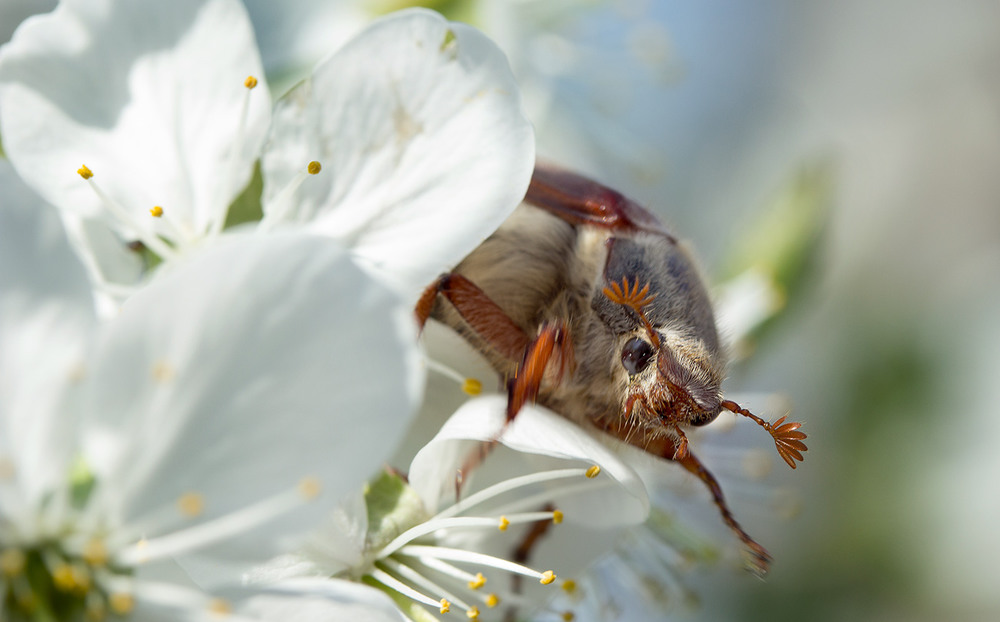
784 243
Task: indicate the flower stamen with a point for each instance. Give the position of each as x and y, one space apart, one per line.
470 386
214 530
282 202
148 238
425 552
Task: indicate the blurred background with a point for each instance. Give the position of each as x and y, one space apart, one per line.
881 121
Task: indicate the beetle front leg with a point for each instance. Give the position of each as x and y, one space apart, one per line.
478 310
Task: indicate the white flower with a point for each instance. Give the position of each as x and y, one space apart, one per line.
228 406
417 543
416 123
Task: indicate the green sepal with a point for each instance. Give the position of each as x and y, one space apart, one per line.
393 507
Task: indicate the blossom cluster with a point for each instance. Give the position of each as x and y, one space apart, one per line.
197 404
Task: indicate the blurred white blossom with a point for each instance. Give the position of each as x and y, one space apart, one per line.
414 130
212 420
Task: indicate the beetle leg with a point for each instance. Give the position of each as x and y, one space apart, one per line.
667 448
552 343
483 315
582 201
759 559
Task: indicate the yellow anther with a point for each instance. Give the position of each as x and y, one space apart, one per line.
85 172
593 471
250 82
220 607
445 605
81 578
504 523
472 613
12 562
492 601
162 371
156 212
310 487
314 167
568 616
557 516
141 548
63 577
97 611
7 469
547 577
471 386
26 601
191 504
121 603
95 553
569 586
478 582
77 372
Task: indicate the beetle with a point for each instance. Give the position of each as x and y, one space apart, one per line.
585 303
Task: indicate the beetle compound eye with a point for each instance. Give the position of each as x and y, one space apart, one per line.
636 355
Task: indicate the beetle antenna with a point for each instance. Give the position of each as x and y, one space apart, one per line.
787 437
636 299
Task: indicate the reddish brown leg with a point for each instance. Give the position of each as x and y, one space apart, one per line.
491 323
759 558
551 343
582 201
482 314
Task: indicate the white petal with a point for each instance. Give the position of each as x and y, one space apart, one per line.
258 363
146 94
424 146
46 320
540 440
337 545
13 12
320 600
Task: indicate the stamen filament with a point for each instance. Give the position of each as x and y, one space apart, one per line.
424 552
436 524
214 530
148 238
470 386
508 485
393 583
544 496
423 582
234 160
282 203
449 570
